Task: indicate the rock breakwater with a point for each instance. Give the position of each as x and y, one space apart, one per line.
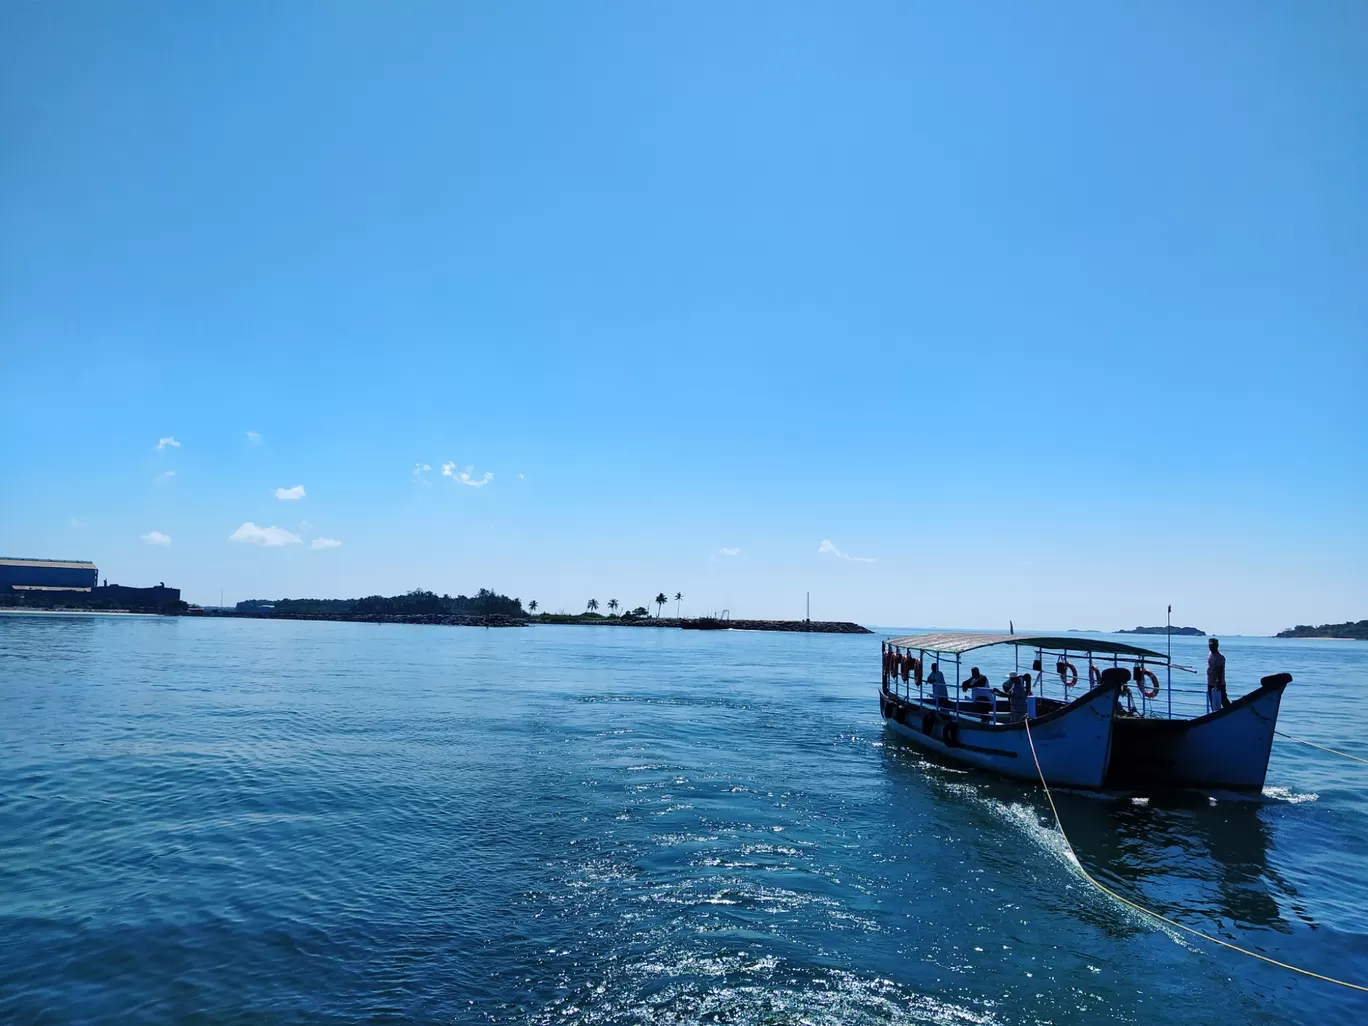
499 620
794 626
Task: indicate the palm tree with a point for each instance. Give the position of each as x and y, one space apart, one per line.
660 600
612 606
593 605
679 597
532 606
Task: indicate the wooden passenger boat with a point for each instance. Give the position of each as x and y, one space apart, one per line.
1116 734
1072 736
1224 750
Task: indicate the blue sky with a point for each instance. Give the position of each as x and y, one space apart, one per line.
1049 312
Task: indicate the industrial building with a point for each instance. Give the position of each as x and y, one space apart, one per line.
47 575
74 583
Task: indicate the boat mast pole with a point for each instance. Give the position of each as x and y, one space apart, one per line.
1169 632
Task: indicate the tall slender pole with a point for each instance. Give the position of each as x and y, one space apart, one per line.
809 607
1169 632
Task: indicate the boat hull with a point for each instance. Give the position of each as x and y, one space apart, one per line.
1225 750
1073 743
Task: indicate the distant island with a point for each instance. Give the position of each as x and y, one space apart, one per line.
1347 631
1191 632
488 608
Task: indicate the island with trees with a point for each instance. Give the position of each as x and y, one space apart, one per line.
1189 632
484 609
1347 631
488 608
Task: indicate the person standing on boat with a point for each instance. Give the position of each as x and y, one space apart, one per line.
936 680
1216 682
1017 688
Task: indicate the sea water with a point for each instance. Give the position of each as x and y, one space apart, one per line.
234 821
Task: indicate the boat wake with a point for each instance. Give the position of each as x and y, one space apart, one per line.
1286 796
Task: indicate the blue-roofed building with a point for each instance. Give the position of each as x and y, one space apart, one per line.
47 575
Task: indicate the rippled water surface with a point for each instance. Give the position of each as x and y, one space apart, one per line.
255 821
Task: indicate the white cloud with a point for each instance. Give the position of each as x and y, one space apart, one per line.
78 523
163 443
165 475
730 552
268 537
156 538
466 477
420 473
828 547
290 494
326 543
255 437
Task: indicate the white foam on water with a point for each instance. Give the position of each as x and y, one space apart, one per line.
1284 794
675 986
1047 838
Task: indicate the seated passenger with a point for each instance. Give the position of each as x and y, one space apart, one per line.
937 681
976 680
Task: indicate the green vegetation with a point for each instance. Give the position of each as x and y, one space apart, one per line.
425 603
1348 629
417 602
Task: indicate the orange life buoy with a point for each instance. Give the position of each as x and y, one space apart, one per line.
905 666
1071 677
1140 674
917 670
1094 675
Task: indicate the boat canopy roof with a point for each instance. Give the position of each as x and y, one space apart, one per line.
954 643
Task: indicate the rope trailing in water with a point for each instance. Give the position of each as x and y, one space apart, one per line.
1155 915
1343 755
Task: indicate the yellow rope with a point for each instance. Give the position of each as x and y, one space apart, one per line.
1313 744
1155 915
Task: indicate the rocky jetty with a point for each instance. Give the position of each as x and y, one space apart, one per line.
499 620
1189 632
793 626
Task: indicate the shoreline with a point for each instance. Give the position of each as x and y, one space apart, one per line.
21 611
786 626
499 620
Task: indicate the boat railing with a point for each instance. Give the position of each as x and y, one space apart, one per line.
1048 683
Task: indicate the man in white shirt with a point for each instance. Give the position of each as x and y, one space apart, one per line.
937 681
